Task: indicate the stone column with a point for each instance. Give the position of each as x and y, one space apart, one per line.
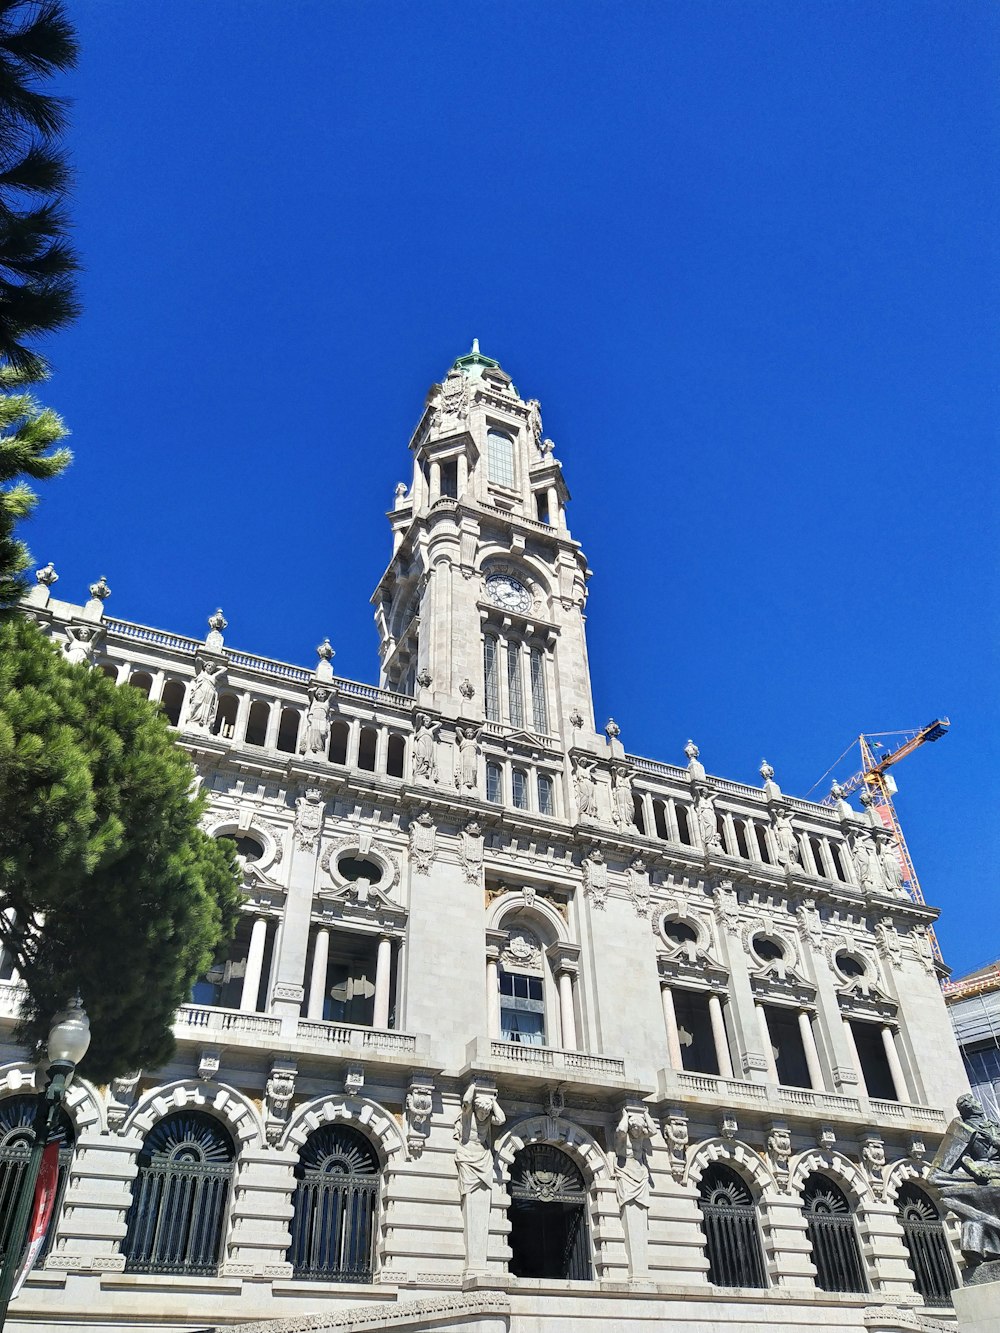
317 982
895 1068
670 1022
552 500
852 1046
255 964
435 493
567 1012
765 1034
463 474
719 1036
812 1055
493 997
273 724
383 968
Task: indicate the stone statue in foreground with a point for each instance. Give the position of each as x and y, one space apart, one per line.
966 1170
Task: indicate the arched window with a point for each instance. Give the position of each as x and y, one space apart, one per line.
930 1254
142 681
761 838
660 819
549 1232
683 824
639 814
494 781
172 701
500 459
288 730
833 1236
837 855
335 1206
367 743
519 788
256 732
742 845
491 680
180 1198
732 1233
515 694
110 670
816 847
339 735
395 755
546 795
225 716
17 1116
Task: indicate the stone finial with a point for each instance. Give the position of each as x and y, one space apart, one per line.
765 770
94 608
217 622
866 798
47 575
424 679
576 719
836 790
324 668
467 689
612 730
100 589
692 751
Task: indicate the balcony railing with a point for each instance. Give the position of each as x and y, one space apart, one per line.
546 1058
930 1115
357 1039
207 1018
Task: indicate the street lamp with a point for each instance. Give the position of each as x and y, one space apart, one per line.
69 1038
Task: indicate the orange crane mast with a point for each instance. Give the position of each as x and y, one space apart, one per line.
876 760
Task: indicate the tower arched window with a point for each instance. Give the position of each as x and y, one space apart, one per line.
927 1245
17 1118
539 709
335 1207
732 1232
833 1236
515 692
549 1229
180 1199
172 701
491 679
500 459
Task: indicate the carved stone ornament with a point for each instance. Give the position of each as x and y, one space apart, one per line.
354 1079
766 771
692 751
923 950
595 878
887 942
727 908
417 1108
47 575
100 590
467 690
278 1093
827 1139
728 1127
324 665
779 1150
472 851
121 1098
423 842
866 865
637 882
576 719
522 951
612 730
308 818
810 923
675 1131
209 1060
424 679
873 1161
453 400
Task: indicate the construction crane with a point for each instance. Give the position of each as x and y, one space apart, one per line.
879 752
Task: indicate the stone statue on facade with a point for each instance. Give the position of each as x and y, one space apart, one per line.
467 759
633 1183
316 732
966 1171
481 1113
789 852
425 748
623 804
892 870
81 640
203 700
585 786
708 824
863 856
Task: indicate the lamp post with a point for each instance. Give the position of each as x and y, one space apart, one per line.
69 1038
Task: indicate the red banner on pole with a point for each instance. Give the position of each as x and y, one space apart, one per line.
41 1211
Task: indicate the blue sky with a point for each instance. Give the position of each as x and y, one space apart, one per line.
746 256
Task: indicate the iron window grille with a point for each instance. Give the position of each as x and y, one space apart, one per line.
335 1207
17 1117
732 1236
833 1236
180 1200
930 1254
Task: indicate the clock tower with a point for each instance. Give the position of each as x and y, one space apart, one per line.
480 612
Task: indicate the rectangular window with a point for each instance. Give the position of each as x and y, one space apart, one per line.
538 710
500 459
786 1045
519 788
449 479
546 794
494 782
522 1009
694 1028
492 690
515 695
874 1062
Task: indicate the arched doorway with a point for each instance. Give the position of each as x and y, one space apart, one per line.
17 1118
732 1230
549 1231
930 1254
336 1206
833 1236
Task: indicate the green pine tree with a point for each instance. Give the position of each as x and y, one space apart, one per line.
100 842
29 435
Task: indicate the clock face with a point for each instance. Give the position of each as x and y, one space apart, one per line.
502 590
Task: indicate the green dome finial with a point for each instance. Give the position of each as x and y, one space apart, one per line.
474 363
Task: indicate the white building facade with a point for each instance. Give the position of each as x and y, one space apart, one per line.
519 1030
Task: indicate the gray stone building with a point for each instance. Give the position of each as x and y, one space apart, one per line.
519 1030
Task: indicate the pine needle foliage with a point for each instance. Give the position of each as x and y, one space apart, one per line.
38 265
100 842
29 436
